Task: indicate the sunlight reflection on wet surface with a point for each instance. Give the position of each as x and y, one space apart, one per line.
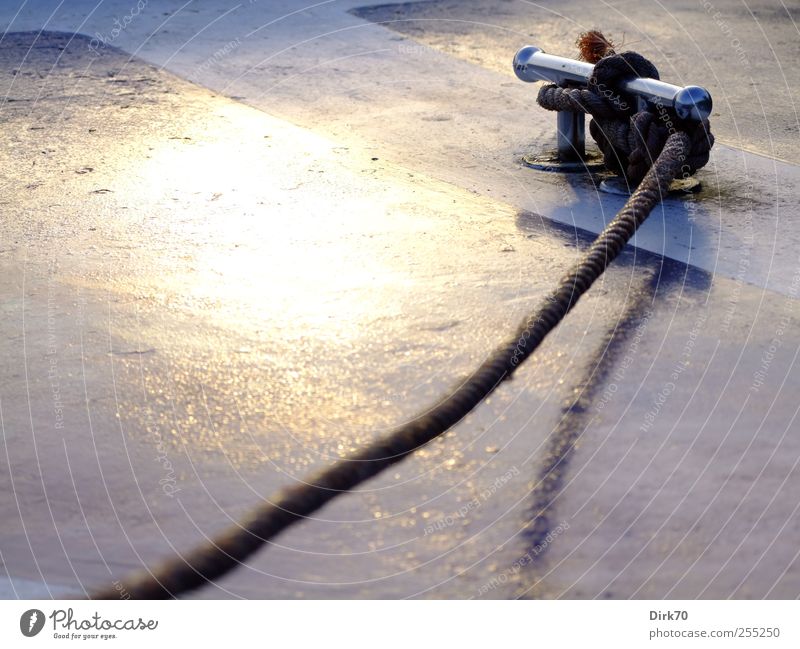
297 272
282 242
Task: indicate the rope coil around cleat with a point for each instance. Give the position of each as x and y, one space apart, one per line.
629 139
212 560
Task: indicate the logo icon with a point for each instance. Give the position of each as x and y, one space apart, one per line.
31 622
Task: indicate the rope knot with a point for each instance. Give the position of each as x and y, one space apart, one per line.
630 139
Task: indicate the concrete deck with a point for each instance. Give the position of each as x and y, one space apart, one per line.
215 287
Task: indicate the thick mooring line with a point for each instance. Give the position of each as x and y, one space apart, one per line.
229 549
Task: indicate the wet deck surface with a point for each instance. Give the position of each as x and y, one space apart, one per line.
208 299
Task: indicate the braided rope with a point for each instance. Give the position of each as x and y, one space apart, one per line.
630 141
233 546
